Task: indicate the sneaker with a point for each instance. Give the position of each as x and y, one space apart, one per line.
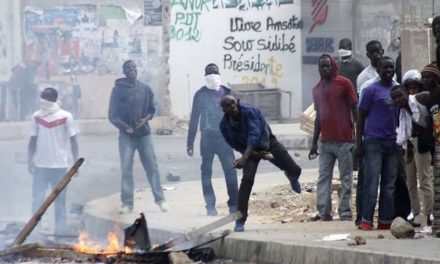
125 209
296 187
319 218
164 207
211 212
383 226
239 227
365 226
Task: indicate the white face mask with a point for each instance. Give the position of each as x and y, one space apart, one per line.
48 107
213 81
344 53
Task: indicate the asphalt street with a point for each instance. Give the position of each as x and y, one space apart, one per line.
100 176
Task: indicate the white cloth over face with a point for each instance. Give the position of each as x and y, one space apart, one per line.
343 53
47 107
213 81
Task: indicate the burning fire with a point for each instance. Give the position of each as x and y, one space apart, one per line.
86 245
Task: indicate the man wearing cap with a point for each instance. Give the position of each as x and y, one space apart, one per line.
206 107
430 79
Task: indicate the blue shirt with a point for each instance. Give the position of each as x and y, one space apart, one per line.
382 114
250 130
206 107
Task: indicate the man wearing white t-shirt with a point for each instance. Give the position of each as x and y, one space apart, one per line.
51 130
374 54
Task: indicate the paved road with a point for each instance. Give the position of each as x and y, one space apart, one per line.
100 175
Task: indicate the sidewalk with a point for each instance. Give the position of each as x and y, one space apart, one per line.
261 243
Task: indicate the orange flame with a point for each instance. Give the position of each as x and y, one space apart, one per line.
86 245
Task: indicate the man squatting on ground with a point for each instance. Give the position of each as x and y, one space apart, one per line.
131 107
245 130
51 130
335 103
206 107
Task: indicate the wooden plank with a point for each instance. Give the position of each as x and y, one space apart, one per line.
27 229
19 249
63 253
198 232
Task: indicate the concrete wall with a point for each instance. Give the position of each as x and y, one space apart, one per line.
418 43
325 24
377 20
201 34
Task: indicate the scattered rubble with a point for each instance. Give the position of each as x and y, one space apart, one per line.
402 229
172 177
279 203
179 258
357 241
164 131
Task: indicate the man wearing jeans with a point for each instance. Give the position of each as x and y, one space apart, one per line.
376 141
206 107
131 107
335 103
51 131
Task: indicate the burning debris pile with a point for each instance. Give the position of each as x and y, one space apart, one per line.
135 247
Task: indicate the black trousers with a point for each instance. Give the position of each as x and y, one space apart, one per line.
402 202
282 160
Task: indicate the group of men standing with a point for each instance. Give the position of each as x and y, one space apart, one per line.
396 127
389 119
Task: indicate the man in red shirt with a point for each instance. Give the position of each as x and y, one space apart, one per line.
335 105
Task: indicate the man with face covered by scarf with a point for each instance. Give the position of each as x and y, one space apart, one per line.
349 66
51 131
335 104
206 107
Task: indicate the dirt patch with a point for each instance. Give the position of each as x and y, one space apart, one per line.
279 204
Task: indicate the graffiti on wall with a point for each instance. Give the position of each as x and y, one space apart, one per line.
185 23
256 58
248 4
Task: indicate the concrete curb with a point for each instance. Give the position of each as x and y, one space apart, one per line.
296 252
